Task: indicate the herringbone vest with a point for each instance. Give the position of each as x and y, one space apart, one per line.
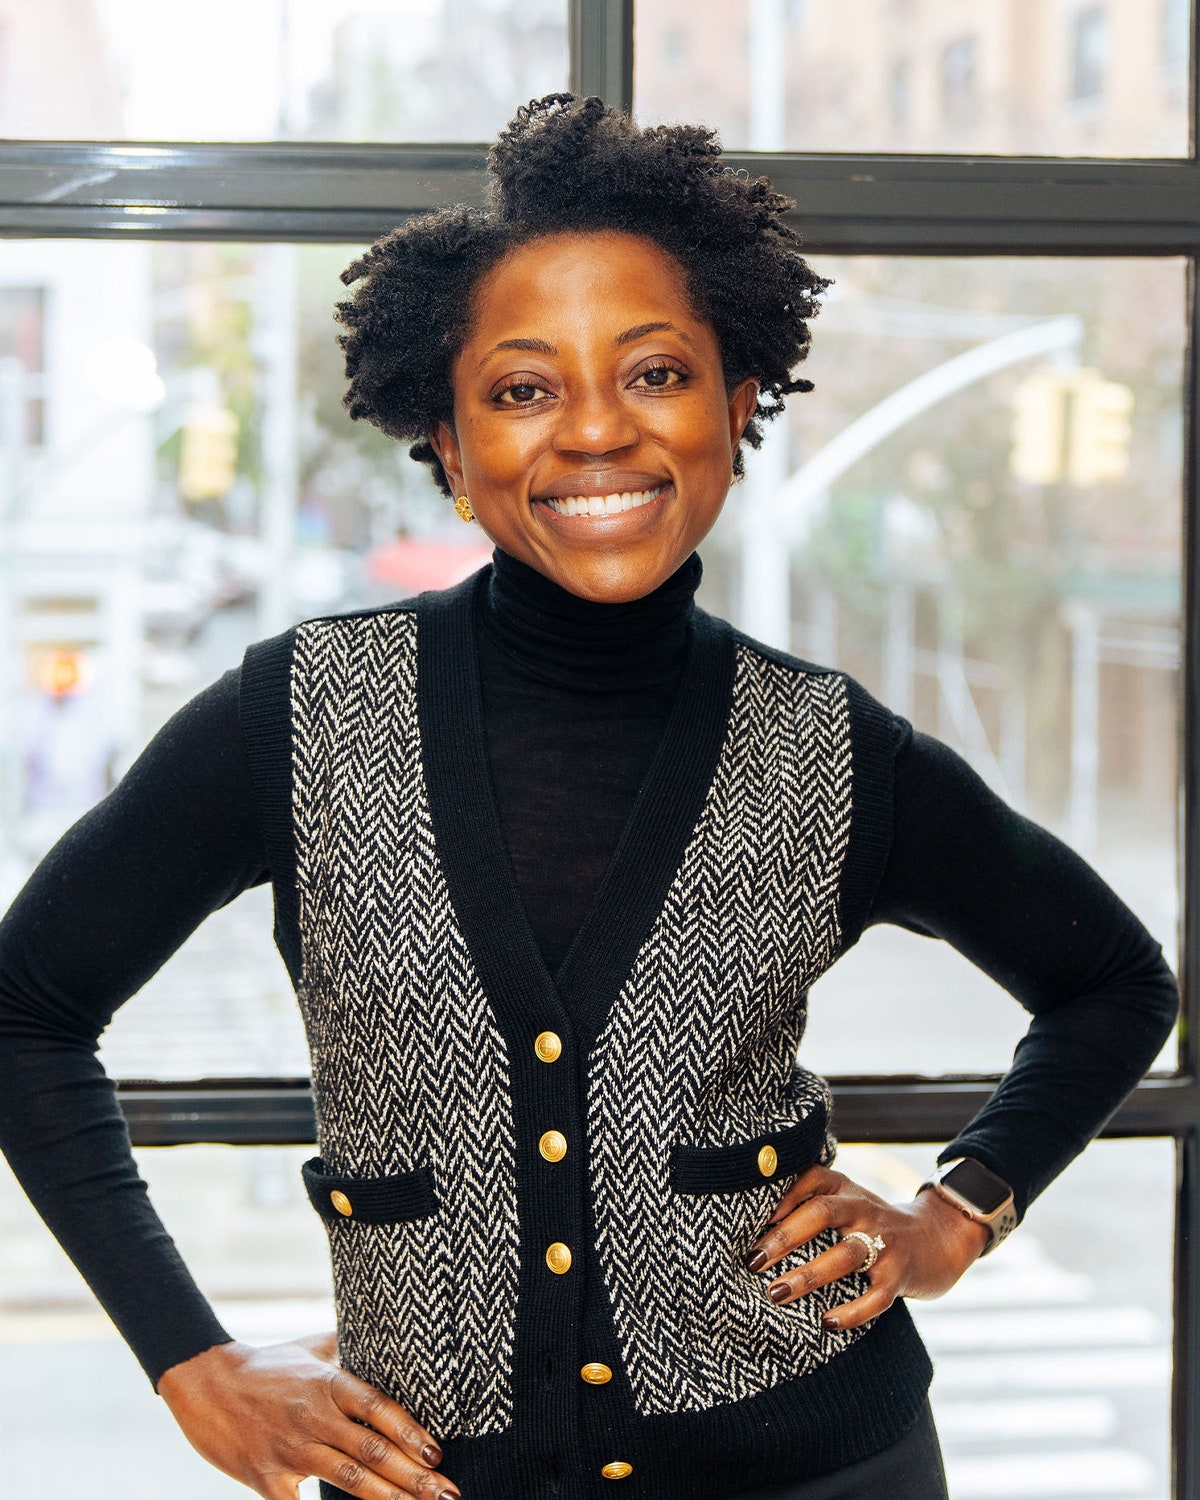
677 1090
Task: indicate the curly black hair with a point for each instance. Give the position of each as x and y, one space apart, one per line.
573 164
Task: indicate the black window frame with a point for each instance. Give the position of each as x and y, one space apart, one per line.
851 204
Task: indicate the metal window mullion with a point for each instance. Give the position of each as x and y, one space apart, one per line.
857 204
1185 1331
601 46
1186 1365
876 1110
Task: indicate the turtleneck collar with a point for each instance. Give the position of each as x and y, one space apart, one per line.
554 636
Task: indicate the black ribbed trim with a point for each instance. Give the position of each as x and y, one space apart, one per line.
660 826
265 707
859 1403
564 1319
727 1169
389 1199
545 1096
874 735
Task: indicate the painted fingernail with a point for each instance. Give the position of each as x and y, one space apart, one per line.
756 1260
449 1495
431 1455
829 1321
779 1292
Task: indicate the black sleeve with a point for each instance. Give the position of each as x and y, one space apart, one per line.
112 900
1030 913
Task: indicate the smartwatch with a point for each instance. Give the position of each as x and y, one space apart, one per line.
977 1193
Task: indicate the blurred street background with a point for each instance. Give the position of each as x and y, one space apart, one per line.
977 512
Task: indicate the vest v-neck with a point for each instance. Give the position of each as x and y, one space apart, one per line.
470 840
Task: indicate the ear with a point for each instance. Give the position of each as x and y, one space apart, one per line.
742 402
444 443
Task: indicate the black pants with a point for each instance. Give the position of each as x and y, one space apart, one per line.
909 1470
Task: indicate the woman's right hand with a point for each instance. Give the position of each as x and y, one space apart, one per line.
273 1416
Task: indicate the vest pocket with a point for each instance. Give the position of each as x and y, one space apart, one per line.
784 1152
391 1199
730 1340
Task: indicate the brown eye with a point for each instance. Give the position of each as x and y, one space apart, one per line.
520 393
660 377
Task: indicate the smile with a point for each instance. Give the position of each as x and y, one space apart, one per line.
603 505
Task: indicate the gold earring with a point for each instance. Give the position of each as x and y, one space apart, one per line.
462 509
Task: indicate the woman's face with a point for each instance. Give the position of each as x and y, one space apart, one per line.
593 433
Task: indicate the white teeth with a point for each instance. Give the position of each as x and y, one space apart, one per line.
604 505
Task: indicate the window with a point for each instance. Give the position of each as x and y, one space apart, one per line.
900 92
990 76
204 70
674 48
960 84
1174 40
1089 54
1013 610
22 350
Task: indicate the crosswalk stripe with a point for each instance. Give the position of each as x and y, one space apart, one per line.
1087 1370
1091 1472
1027 1417
1078 1327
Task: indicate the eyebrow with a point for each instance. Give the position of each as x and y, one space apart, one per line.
543 346
632 334
531 346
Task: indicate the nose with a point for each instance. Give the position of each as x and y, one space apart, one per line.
595 422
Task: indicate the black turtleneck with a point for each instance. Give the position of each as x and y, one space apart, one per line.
575 701
575 698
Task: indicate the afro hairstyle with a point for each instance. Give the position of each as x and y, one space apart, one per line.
575 165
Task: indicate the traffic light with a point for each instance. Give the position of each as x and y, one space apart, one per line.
1098 450
61 671
1070 424
1039 432
208 453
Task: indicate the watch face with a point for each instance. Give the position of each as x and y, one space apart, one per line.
972 1181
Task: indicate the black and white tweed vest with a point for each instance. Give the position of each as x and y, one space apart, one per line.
548 1313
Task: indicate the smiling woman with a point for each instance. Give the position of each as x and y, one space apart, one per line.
556 857
599 451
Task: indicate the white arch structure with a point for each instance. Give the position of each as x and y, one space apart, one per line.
775 516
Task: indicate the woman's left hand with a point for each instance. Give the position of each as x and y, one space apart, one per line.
927 1244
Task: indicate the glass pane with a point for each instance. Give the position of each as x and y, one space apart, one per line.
978 514
1052 1357
254 70
178 479
250 1236
186 481
1007 77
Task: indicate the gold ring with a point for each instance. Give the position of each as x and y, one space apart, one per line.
873 1243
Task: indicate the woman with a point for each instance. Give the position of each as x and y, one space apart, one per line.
556 857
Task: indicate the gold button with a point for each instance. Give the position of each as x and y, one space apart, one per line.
618 1470
548 1046
596 1374
768 1160
553 1145
558 1257
341 1203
